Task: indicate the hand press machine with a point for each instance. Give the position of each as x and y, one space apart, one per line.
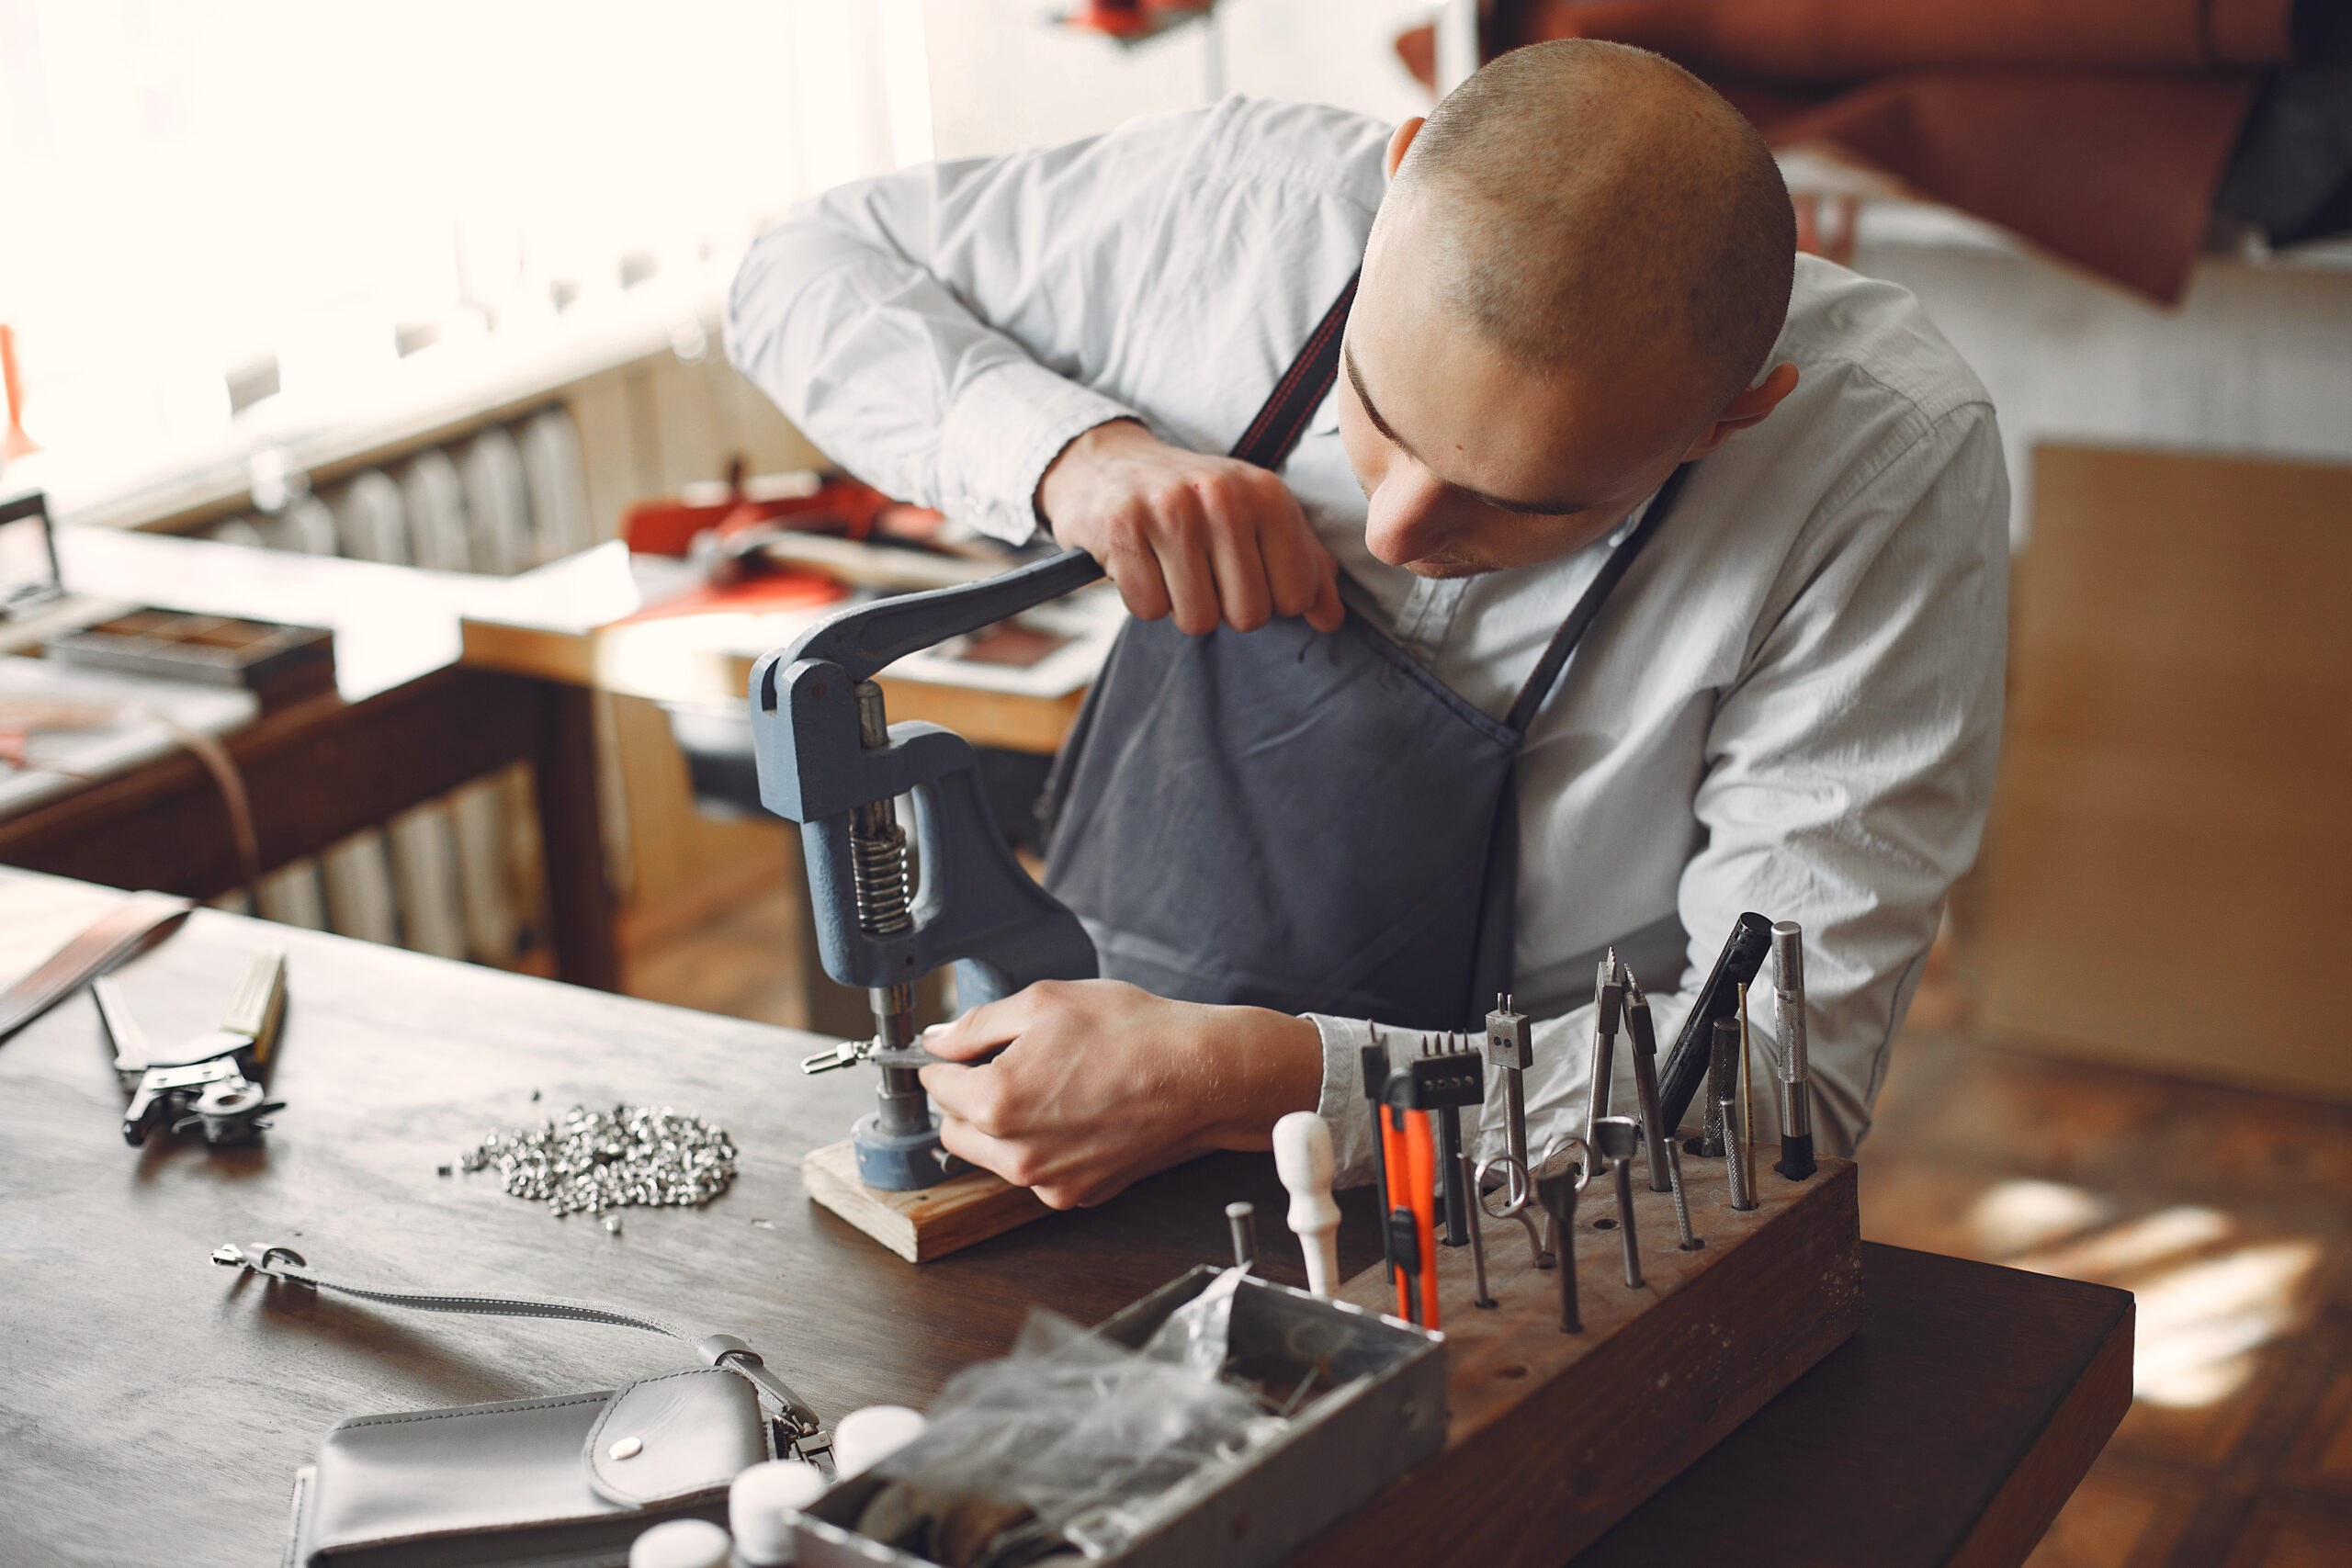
888 913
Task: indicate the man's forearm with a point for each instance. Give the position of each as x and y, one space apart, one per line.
893 370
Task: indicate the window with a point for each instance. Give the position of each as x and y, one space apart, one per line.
224 213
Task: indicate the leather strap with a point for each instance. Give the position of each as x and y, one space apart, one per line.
1563 642
716 1349
122 930
1283 418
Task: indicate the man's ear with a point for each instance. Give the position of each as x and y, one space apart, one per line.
1749 408
1400 139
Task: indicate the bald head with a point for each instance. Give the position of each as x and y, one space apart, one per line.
1579 204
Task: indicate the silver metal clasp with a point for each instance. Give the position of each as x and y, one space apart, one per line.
849 1053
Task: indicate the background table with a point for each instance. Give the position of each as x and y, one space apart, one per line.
157 1409
406 725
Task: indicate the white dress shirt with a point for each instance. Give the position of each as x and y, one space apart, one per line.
1791 705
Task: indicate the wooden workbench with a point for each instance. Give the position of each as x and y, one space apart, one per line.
157 1411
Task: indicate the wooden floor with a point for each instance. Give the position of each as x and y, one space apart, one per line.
2228 1213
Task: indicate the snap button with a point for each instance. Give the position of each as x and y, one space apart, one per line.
627 1448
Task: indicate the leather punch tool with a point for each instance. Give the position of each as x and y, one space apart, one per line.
888 912
212 1082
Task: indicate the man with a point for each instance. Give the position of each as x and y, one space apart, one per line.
1581 352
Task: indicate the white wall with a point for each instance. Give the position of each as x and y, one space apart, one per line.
2258 359
1003 76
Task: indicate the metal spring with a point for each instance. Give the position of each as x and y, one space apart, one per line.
878 881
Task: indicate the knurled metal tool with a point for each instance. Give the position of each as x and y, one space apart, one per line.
1795 1069
212 1082
886 916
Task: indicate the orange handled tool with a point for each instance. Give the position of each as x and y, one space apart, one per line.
1420 1175
1408 1185
1396 1171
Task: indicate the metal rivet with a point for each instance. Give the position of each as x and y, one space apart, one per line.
627 1448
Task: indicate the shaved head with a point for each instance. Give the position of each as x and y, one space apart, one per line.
1581 205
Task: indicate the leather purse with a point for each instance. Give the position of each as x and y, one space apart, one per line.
565 1481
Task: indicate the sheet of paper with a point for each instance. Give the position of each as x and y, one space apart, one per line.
40 914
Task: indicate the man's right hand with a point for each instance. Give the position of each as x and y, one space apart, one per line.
1199 537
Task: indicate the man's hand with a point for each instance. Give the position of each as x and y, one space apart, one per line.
1099 1083
1197 537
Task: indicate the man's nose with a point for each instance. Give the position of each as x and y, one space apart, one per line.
1402 524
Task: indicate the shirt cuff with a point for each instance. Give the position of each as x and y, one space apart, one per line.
1004 430
1341 1105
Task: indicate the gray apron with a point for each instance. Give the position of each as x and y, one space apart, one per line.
1291 819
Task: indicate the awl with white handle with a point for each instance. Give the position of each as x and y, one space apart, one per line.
1302 1159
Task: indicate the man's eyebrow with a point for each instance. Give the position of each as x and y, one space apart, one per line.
1371 408
1372 411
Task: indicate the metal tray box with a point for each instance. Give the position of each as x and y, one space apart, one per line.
1384 1414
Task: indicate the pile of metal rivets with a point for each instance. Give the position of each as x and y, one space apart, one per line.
595 1161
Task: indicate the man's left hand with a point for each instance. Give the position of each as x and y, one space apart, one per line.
1099 1083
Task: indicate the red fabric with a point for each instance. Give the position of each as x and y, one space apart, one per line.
2098 129
2114 172
780 588
1842 41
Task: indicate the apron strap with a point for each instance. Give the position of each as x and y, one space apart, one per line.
1301 390
1282 420
1563 641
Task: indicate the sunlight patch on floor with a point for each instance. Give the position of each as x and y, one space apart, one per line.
2209 1295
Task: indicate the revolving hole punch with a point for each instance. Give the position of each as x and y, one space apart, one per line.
211 1083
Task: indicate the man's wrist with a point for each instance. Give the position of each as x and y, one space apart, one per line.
1074 454
1271 1065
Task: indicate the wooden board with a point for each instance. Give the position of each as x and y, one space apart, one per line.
1552 1438
2170 862
919 1226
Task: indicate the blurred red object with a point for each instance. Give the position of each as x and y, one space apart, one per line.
16 443
667 525
1120 18
778 587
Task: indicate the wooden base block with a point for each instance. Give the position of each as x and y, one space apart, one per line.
919 1226
1552 1437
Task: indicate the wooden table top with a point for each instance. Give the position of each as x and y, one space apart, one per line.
157 1410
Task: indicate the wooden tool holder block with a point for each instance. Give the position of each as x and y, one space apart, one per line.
925 1224
1551 1437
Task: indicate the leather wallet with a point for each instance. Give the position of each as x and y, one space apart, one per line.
566 1482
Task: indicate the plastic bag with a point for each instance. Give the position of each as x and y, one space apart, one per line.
1072 1441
